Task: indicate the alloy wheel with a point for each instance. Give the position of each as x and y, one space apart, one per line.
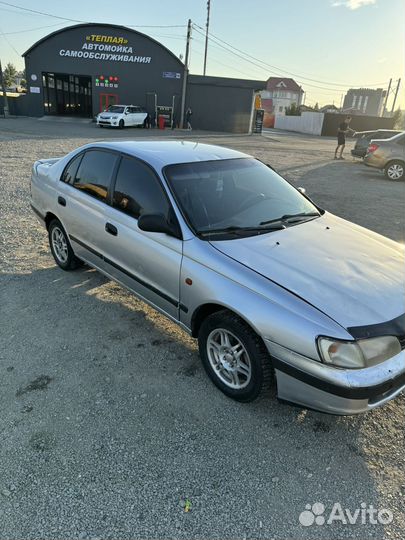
229 359
395 171
59 244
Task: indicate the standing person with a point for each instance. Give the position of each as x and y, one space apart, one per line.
174 120
341 136
189 112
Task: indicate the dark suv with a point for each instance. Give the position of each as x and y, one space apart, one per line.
364 138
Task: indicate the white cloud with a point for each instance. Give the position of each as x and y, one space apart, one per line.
353 4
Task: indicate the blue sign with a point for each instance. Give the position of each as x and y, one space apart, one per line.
171 75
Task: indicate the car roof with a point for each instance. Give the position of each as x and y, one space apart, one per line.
377 130
394 138
161 153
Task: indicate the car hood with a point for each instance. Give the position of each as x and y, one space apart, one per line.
353 275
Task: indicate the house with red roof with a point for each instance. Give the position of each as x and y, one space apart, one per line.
280 94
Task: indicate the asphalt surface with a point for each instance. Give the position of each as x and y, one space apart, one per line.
109 428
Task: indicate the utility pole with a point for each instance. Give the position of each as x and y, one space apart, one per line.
185 75
386 98
206 35
341 102
3 91
395 97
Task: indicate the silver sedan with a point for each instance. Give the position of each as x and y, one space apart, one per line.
275 288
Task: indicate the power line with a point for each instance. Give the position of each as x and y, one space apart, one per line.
31 29
39 12
81 21
9 42
262 68
216 61
286 71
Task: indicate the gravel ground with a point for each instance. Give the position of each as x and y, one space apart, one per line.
110 428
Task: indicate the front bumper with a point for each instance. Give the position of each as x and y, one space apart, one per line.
315 385
107 122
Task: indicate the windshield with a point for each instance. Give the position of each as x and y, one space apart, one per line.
116 109
236 194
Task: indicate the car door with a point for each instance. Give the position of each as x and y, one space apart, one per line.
399 151
129 116
82 201
139 116
148 263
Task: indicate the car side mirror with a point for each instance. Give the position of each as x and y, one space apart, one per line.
156 223
302 190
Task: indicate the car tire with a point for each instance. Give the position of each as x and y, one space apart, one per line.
100 125
234 357
121 124
395 170
60 247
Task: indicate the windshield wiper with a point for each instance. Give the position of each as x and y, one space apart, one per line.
289 218
240 230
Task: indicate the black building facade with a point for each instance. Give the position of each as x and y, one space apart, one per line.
81 70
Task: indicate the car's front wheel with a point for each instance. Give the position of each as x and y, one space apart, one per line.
234 356
395 170
121 124
60 247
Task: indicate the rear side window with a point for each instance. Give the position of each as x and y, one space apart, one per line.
138 190
369 136
69 174
94 173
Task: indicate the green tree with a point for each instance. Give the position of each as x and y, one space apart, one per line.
398 119
9 74
293 110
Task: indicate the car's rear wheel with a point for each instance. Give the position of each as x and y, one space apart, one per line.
121 124
395 170
60 247
234 356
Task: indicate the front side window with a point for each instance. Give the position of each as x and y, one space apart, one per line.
94 173
241 194
137 190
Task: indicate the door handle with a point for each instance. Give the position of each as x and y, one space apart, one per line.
62 201
111 229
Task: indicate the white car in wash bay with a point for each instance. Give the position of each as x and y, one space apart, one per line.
274 287
121 116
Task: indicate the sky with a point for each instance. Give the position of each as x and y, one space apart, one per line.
327 46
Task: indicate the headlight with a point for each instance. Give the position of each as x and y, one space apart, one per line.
358 354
